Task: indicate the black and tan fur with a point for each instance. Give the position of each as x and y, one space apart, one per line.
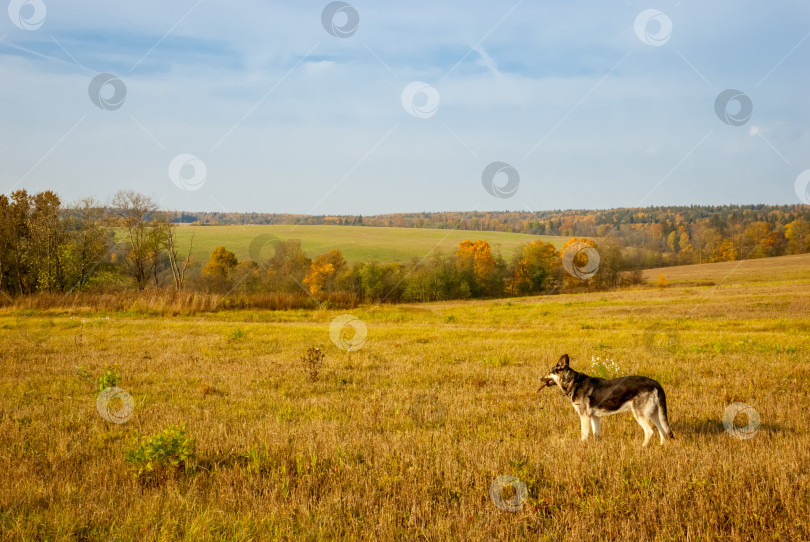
594 397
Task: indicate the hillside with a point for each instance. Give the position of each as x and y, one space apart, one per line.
780 268
355 242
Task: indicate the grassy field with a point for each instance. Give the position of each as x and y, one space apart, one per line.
402 438
356 242
782 268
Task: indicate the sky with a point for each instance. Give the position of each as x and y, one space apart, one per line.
378 107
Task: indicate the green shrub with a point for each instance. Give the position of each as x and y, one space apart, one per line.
154 459
235 335
108 379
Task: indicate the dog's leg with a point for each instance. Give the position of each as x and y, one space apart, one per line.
597 432
656 419
645 424
585 426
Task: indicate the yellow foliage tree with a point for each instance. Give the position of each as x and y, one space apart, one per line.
323 270
220 264
476 257
535 267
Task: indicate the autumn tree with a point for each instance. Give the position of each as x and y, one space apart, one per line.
536 268
47 243
91 241
323 271
137 215
287 267
216 274
14 243
581 259
178 265
797 234
475 261
220 264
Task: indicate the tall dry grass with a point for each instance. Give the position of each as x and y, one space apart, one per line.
162 302
402 438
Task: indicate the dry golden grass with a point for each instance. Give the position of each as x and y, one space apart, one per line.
402 438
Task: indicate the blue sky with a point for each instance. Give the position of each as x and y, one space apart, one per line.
267 111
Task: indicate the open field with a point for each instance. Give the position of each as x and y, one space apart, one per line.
781 268
356 242
402 438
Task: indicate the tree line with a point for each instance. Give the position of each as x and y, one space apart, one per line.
472 271
129 243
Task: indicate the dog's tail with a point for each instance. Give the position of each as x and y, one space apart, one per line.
663 418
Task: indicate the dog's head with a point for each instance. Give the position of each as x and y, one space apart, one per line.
560 374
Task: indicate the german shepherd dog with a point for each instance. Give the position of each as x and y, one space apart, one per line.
594 397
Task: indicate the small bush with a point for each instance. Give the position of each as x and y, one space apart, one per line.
662 281
235 335
108 379
312 360
154 459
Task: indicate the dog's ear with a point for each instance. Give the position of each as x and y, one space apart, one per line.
562 363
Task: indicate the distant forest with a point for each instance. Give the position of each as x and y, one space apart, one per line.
649 236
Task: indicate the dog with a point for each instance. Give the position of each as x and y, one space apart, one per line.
594 397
